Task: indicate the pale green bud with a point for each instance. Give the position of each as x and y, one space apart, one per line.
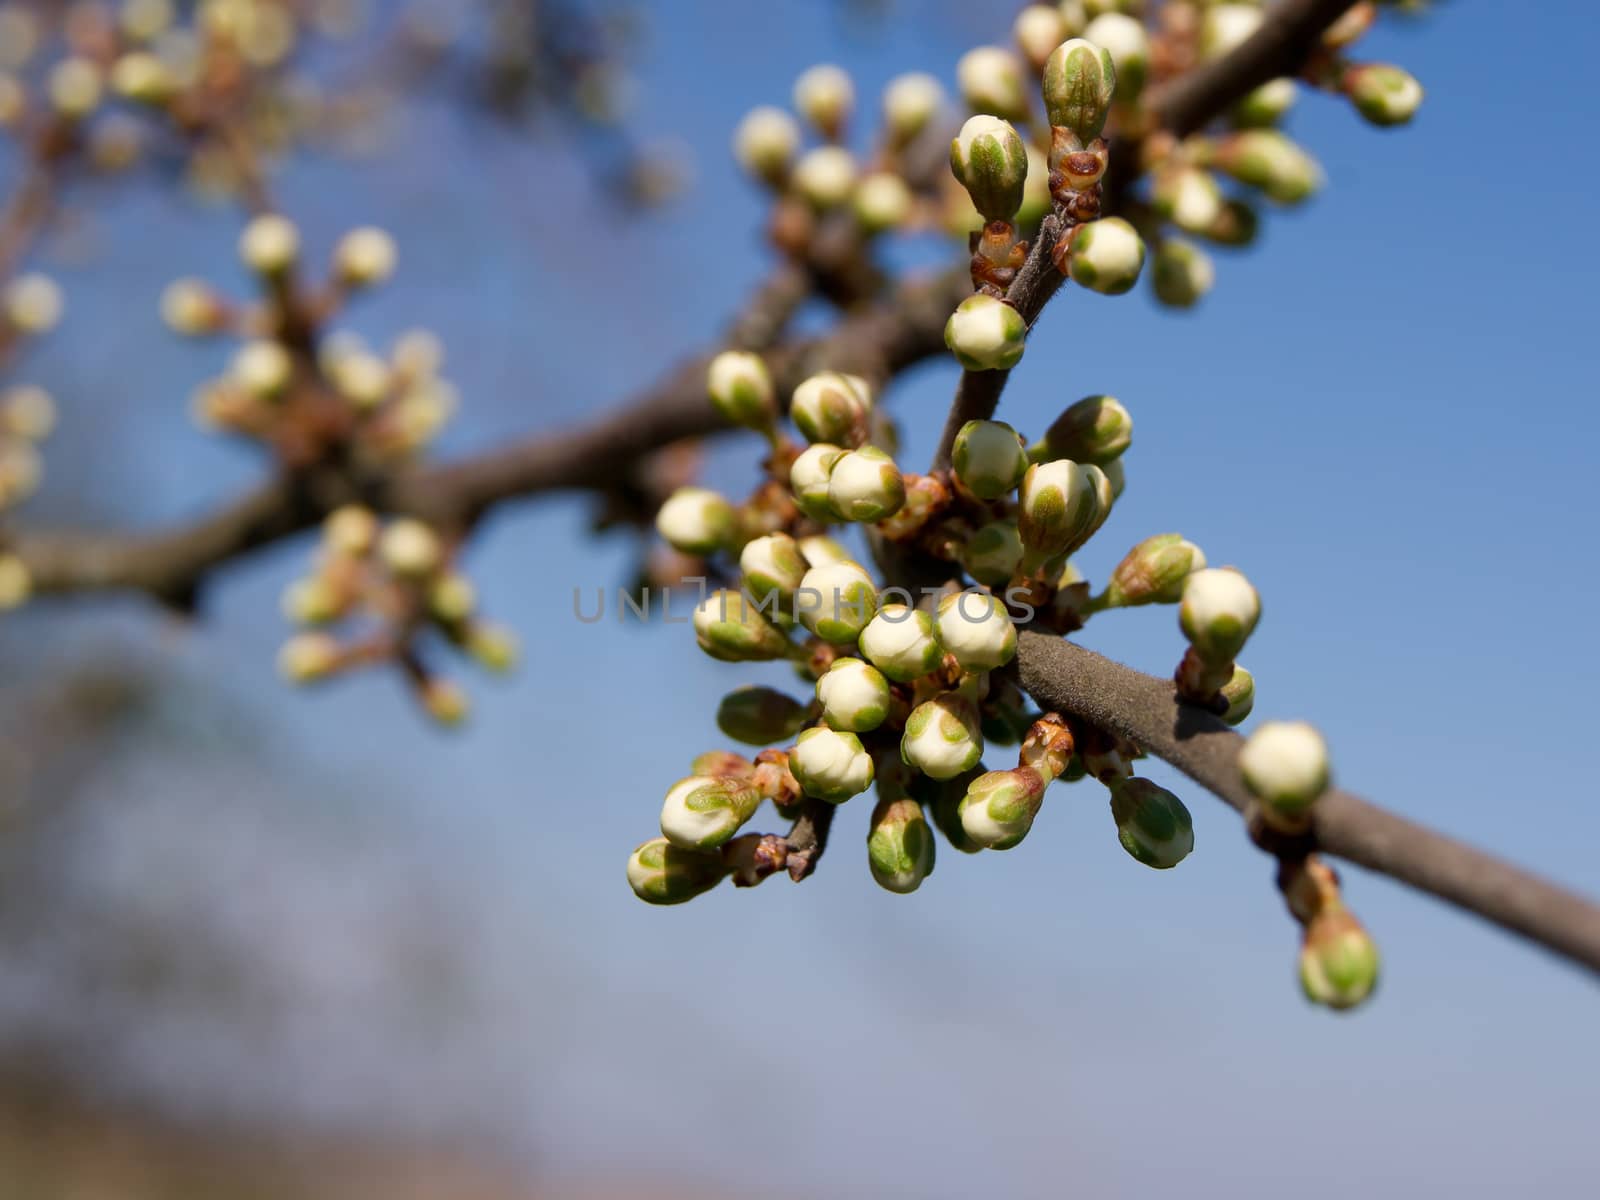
766 142
820 551
830 407
1383 94
986 334
1285 766
1097 429
1267 105
988 458
865 485
409 548
1240 693
808 480
883 201
741 390
75 87
143 78
830 765
445 701
993 554
1152 824
1338 961
826 176
1236 225
452 597
999 807
661 873
27 411
310 601
909 103
309 657
729 627
1106 256
992 81
824 95
1038 30
900 642
943 737
1265 159
1182 273
495 647
989 159
1226 26
854 696
1218 612
1153 572
1116 477
365 257
1125 39
835 601
760 716
351 530
270 244
1060 508
1187 196
1079 81
696 521
899 845
16 582
704 811
976 630
942 801
772 566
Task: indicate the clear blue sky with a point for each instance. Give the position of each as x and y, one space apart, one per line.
1386 415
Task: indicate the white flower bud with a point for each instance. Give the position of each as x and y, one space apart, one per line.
824 95
766 143
410 548
20 471
270 244
808 480
363 379
1218 612
143 78
909 103
942 737
1188 197
1285 766
1266 105
310 601
820 551
16 583
1124 37
263 369
854 696
865 485
976 630
1225 26
740 388
882 202
418 354
992 81
1182 273
702 812
729 627
836 601
998 810
1154 572
900 642
1338 961
988 458
696 521
308 657
350 531
142 20
899 845
986 334
27 411
826 176
772 566
1059 509
365 257
34 304
1039 29
831 766
661 873
1383 94
1106 256
990 160
830 407
75 87
191 308
495 647
445 701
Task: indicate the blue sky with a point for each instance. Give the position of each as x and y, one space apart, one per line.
1385 414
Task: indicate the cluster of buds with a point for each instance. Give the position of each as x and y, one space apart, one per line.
396 587
1338 958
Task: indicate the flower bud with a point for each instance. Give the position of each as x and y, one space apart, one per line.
1265 159
730 628
825 176
365 257
1218 612
1106 256
452 598
766 142
1240 693
759 716
270 244
661 873
410 548
1152 824
831 766
772 566
20 470
1182 273
808 480
262 369
909 103
33 304
696 521
999 807
975 629
75 87
900 642
191 308
1188 196
1383 94
882 202
988 458
836 601
1060 507
943 737
1285 766
992 81
1097 429
865 485
704 811
28 412
1267 105
143 78
829 407
445 701
1338 961
309 657
989 159
720 763
820 551
899 845
1125 40
824 95
1079 82
1236 225
494 647
310 601
16 582
351 530
1047 746
854 696
993 554
1036 200
142 20
986 334
1225 26
1153 572
1116 477
1039 29
362 378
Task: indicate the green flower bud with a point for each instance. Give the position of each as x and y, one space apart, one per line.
900 642
1153 572
741 390
1152 824
661 873
1060 507
993 554
824 95
730 628
1188 197
830 407
865 485
883 201
831 766
991 81
1182 273
696 521
493 646
808 480
703 811
1240 693
899 845
988 158
1285 766
1116 477
942 798
943 737
143 78
1079 82
999 807
310 601
1226 26
1097 429
766 142
1265 159
909 103
1125 39
1106 256
836 601
1267 105
760 716
986 334
988 458
854 696
820 551
976 630
1236 225
1338 961
1383 94
772 566
825 176
1218 612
